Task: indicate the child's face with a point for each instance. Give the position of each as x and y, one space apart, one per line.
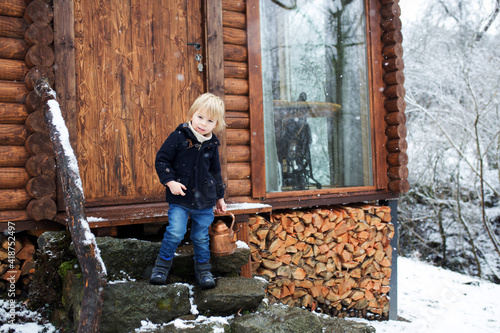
203 123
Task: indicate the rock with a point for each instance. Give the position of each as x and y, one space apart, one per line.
231 263
201 324
127 304
184 265
135 258
230 296
279 318
130 257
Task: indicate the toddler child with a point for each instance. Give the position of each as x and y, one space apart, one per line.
188 165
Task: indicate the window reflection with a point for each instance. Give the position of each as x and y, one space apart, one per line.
316 107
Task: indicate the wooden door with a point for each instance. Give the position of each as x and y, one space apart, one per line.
136 77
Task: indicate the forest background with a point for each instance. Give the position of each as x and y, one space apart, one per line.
451 215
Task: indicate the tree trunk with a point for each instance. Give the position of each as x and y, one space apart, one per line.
85 246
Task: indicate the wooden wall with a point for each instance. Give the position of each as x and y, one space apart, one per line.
27 165
234 22
394 92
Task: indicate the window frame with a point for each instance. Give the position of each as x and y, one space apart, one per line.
378 137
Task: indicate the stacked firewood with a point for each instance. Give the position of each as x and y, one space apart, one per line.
16 264
337 259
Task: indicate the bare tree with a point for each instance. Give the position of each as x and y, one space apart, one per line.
453 80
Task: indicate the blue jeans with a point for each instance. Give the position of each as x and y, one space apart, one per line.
177 227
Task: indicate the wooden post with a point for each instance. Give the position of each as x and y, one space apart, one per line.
85 245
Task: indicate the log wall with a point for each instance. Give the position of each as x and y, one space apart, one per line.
234 23
395 118
336 259
27 165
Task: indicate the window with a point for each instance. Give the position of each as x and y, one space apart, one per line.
315 94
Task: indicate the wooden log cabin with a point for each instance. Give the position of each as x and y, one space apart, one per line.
313 92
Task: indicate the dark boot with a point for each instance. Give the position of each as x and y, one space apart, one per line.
204 278
160 271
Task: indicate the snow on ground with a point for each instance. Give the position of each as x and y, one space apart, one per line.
431 299
437 300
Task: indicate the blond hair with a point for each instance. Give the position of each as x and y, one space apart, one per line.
213 105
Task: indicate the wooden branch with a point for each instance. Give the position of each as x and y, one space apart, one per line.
85 246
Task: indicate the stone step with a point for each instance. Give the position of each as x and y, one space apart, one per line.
127 303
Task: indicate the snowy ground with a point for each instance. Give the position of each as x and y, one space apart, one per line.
430 298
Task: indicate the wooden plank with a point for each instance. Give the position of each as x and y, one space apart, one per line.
215 64
256 101
375 77
99 217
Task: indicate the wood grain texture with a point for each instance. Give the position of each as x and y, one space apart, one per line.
12 70
256 102
12 113
136 79
13 156
13 48
12 27
15 8
13 178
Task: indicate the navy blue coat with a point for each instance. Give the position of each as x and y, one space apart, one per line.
183 159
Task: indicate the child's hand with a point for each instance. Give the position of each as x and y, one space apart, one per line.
220 206
176 188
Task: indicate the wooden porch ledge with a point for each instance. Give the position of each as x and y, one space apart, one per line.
106 219
112 216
